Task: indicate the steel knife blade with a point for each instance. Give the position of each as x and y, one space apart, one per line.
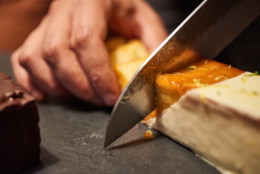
205 32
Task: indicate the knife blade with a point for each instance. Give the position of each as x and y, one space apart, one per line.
204 33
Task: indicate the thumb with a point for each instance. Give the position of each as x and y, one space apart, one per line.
151 29
137 19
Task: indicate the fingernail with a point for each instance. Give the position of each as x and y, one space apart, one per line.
110 99
39 96
97 102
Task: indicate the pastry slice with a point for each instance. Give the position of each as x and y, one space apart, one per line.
126 57
215 111
170 87
210 107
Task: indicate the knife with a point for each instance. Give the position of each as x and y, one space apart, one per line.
204 33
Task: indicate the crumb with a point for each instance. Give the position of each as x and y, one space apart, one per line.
191 67
148 135
152 115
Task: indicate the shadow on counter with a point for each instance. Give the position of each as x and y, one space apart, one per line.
46 159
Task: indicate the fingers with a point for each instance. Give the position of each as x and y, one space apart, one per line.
99 71
139 21
122 19
31 71
87 42
63 61
40 73
24 79
66 53
151 28
31 59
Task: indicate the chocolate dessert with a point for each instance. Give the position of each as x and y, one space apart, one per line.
19 130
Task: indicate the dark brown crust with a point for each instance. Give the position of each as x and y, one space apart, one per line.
19 129
11 93
210 105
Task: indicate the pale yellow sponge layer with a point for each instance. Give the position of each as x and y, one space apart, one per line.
126 57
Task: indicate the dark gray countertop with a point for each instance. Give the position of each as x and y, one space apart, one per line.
72 131
72 134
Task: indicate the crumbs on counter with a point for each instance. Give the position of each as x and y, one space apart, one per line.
148 135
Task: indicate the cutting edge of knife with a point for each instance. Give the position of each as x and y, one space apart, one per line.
107 143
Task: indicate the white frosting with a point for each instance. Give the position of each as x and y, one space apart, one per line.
241 93
219 122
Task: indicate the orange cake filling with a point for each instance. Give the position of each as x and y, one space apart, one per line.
170 87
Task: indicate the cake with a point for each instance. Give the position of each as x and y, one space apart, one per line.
19 130
209 107
170 87
126 57
213 109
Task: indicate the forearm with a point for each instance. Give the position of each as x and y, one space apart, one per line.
17 19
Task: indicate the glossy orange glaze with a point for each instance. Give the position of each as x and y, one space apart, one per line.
170 87
153 114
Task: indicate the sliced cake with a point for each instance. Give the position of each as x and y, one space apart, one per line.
214 110
170 87
126 57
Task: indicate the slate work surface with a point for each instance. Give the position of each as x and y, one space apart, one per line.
72 131
72 134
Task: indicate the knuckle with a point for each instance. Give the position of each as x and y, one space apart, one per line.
26 59
80 38
96 78
51 52
54 6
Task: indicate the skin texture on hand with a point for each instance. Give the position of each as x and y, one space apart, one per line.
66 54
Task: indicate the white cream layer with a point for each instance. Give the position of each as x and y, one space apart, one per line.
220 122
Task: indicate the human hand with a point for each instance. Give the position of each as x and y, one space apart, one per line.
66 54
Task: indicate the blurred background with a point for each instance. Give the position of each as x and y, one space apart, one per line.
19 17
